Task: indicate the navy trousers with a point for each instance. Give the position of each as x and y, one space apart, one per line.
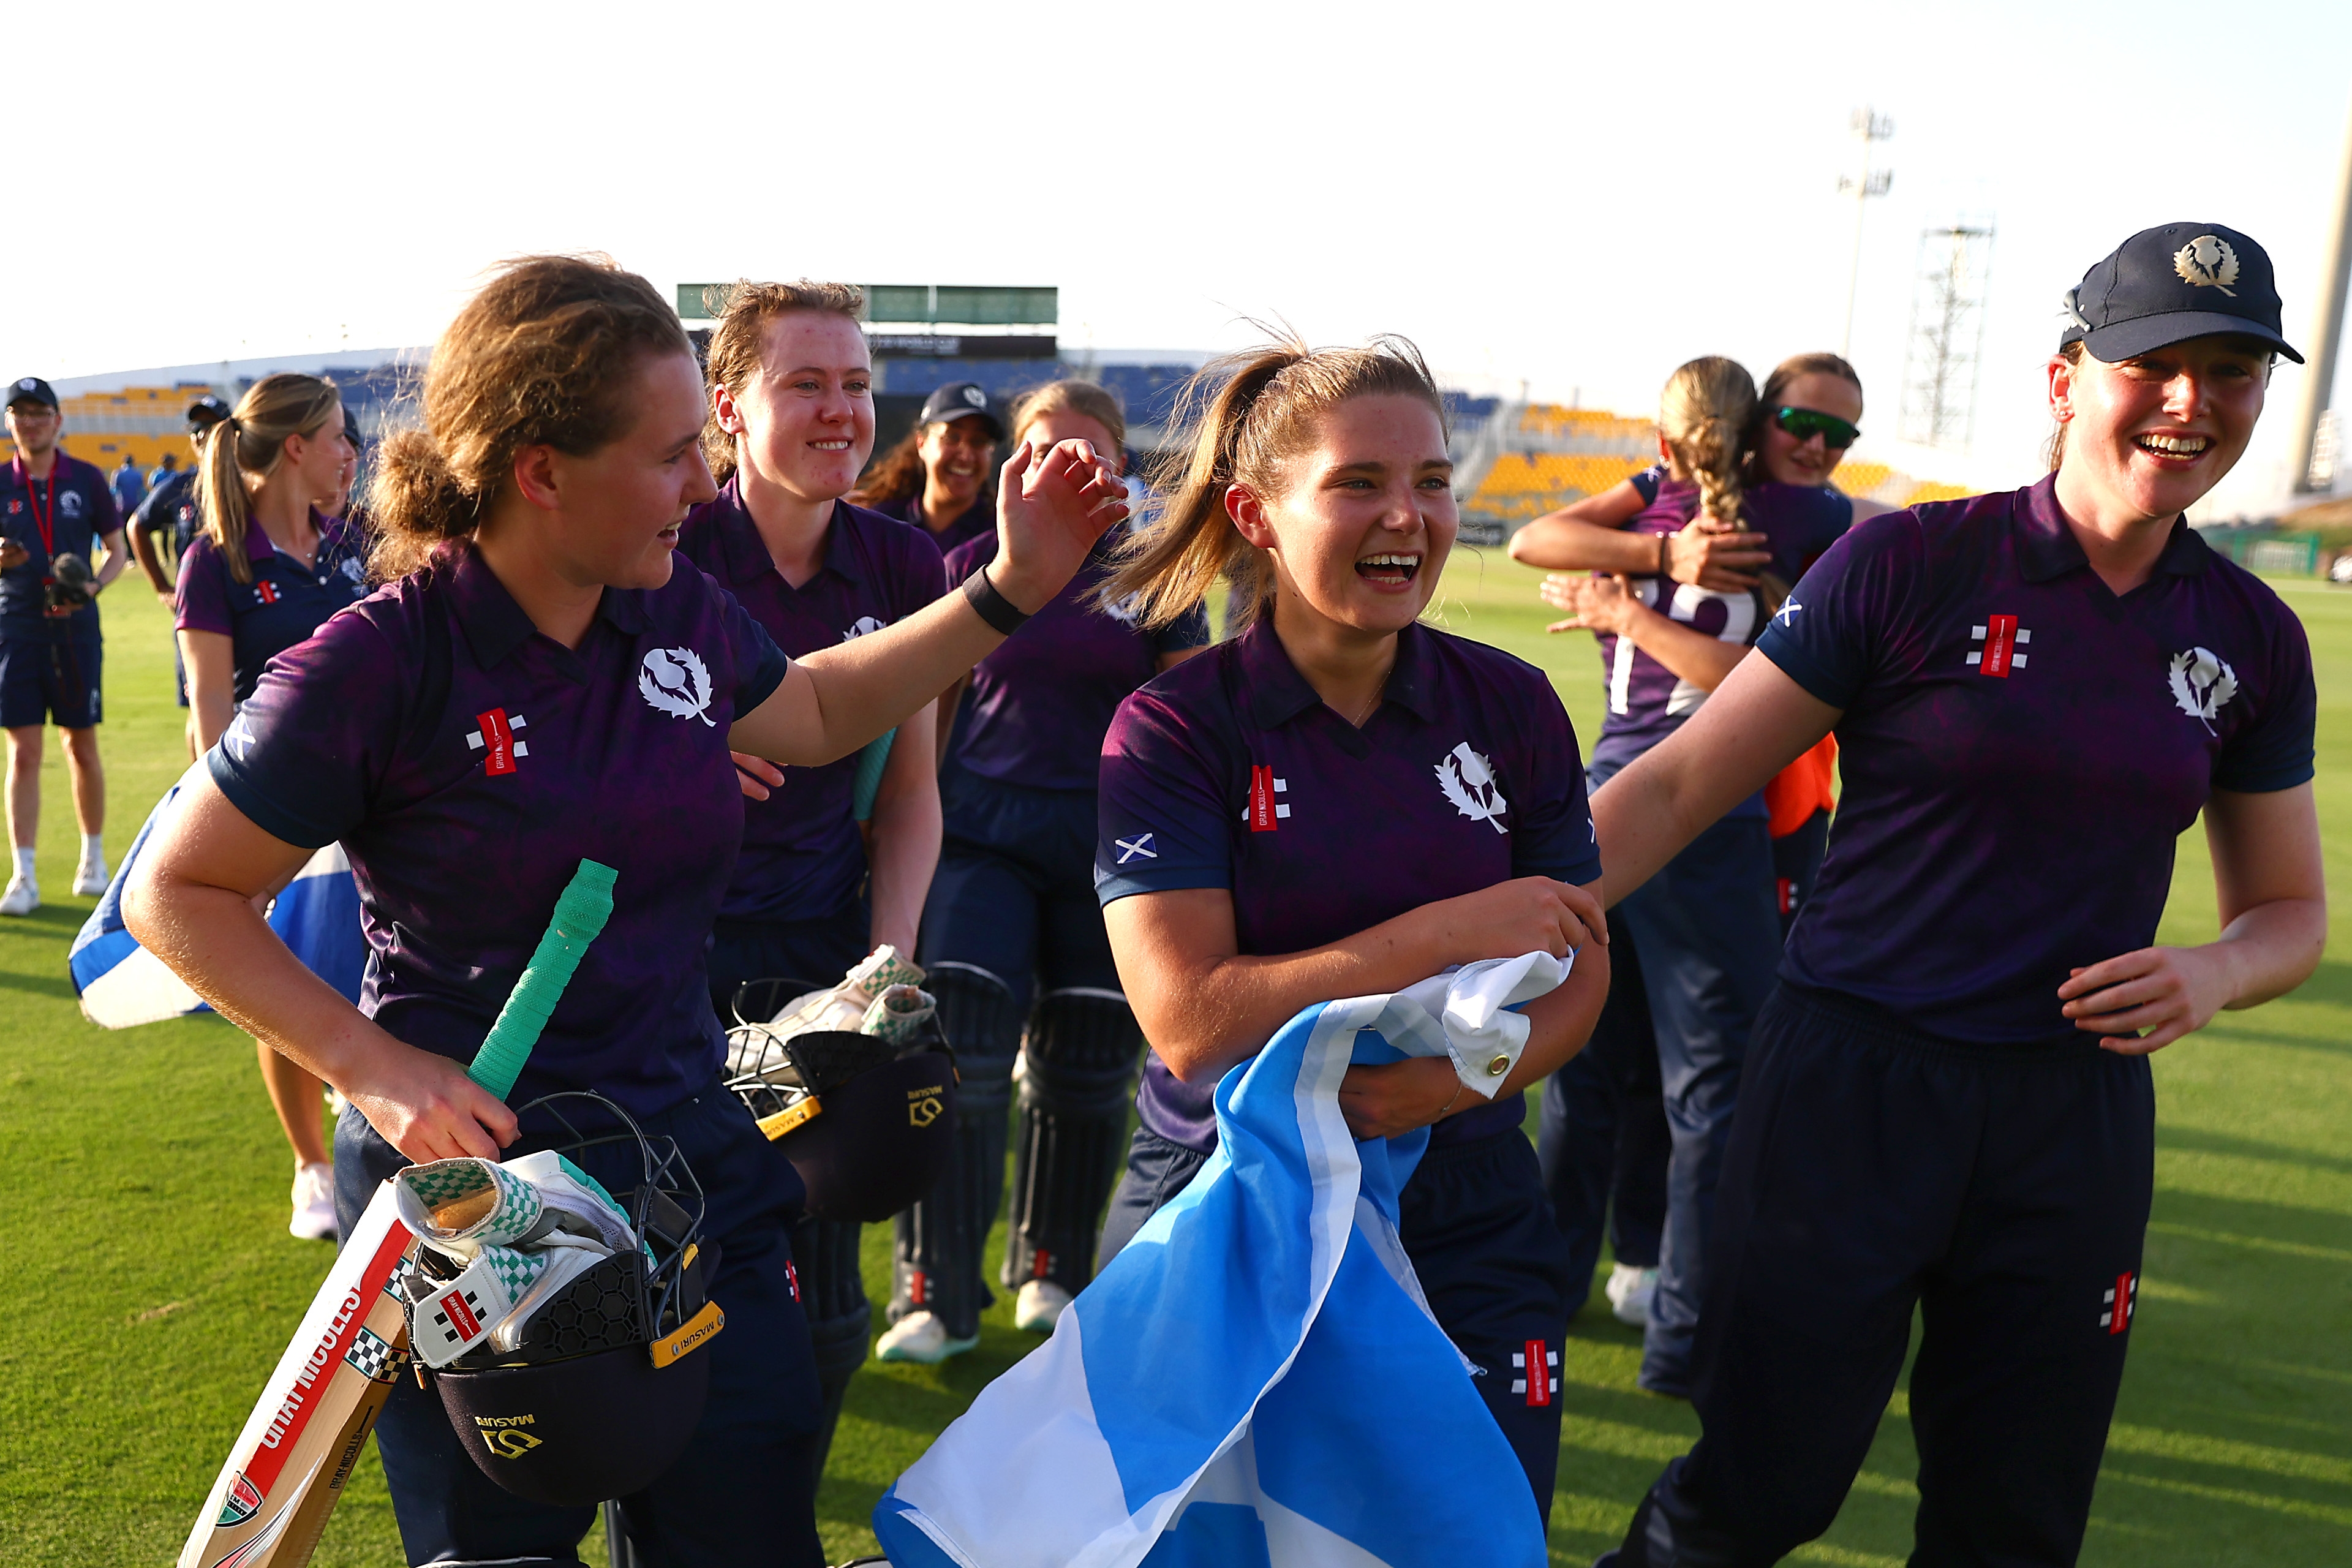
1708 940
745 1490
1601 1139
2003 1191
1474 1222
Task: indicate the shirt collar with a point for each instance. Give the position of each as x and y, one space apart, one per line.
495 625
746 554
2046 547
1278 693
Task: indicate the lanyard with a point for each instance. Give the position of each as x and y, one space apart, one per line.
44 521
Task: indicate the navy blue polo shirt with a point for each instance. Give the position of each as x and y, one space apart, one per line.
1646 700
1646 483
2021 749
170 508
467 763
1041 703
1229 771
284 603
78 510
979 518
802 856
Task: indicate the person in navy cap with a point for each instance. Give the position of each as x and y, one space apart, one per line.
1013 938
792 424
538 683
1341 801
52 505
1947 1104
937 476
171 510
268 569
1704 935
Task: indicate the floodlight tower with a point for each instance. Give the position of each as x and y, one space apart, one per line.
2319 384
1870 127
1947 316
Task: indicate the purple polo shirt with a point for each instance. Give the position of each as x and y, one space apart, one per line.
1042 702
802 856
468 763
2021 749
979 518
1229 771
1644 701
283 604
80 510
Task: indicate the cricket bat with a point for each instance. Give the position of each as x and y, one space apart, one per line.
287 1471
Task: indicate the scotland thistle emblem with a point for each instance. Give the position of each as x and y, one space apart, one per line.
2202 683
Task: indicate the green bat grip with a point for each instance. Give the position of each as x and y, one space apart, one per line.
580 914
868 783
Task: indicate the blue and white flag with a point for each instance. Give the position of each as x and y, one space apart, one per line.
121 983
1257 1379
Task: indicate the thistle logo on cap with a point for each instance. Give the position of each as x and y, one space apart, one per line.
976 397
2208 262
2167 285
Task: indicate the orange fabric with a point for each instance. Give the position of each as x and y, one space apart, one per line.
1802 789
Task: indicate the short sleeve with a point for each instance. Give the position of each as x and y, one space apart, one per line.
304 755
1187 631
1551 833
1646 483
1828 635
1161 806
200 603
2275 752
150 516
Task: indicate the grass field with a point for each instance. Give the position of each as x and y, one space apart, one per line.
147 1281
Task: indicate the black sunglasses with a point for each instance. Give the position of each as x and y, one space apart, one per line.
1805 424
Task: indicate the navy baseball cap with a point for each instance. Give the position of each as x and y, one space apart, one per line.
206 412
962 400
2167 285
31 389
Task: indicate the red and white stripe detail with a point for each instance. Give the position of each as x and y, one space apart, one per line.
497 736
2003 637
1265 813
1543 1388
2121 1301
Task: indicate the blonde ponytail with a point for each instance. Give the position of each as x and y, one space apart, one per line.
246 447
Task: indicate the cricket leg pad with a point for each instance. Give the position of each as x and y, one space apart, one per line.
1076 1086
840 1317
939 1240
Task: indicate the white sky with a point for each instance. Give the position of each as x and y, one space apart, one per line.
1576 195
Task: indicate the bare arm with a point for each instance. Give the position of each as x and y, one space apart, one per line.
1204 1006
210 661
1049 512
149 557
902 849
191 903
1757 722
2273 892
1607 604
117 557
1590 527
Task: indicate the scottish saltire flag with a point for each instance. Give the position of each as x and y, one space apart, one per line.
121 983
1257 1379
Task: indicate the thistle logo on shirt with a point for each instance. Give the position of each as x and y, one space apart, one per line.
2001 637
265 592
2121 1301
1468 781
2202 682
496 736
70 504
862 625
1265 813
673 681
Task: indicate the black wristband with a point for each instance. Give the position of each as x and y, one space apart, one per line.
994 608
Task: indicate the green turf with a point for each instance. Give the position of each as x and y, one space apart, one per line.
147 1282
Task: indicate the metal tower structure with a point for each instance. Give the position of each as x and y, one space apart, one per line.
1948 321
1870 127
2311 473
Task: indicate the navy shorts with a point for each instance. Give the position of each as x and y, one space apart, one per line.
1476 1223
44 680
747 1476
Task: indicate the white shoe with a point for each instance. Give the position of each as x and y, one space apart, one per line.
336 1103
90 880
1039 1306
1629 1291
23 897
314 1203
919 1336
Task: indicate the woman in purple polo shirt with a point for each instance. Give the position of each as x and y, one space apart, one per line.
1341 801
539 686
264 573
1702 938
792 423
1013 917
937 476
1947 1105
